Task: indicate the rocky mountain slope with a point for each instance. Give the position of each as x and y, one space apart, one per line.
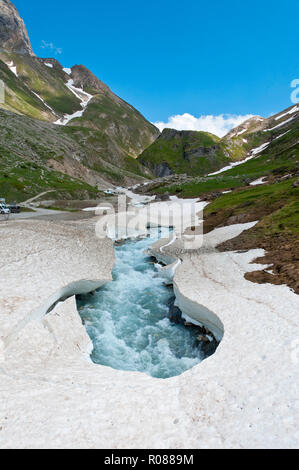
13 32
106 131
251 125
38 156
69 124
112 115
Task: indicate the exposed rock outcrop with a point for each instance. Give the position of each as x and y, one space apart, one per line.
84 78
162 170
253 124
13 32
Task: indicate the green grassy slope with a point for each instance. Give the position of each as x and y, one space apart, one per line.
28 146
26 180
123 124
35 76
200 153
190 152
276 208
19 99
277 203
280 157
273 204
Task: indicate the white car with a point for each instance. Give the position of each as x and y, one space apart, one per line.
4 209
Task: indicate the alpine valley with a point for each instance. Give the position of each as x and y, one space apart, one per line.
149 280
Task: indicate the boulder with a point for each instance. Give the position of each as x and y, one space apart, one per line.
163 197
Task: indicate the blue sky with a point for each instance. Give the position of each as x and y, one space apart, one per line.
171 57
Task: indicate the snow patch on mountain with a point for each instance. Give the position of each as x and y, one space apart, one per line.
279 125
43 101
254 152
67 70
12 68
261 180
82 95
293 110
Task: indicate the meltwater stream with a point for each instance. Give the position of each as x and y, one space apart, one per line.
127 318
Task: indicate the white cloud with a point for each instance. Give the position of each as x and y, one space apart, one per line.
50 45
218 125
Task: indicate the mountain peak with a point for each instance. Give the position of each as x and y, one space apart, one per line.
13 33
252 124
84 78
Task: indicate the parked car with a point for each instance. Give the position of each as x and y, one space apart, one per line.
4 209
14 208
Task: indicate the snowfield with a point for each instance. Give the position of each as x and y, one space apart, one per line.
52 396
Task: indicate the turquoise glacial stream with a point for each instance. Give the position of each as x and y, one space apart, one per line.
127 318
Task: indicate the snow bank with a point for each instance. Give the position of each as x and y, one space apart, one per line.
243 396
198 314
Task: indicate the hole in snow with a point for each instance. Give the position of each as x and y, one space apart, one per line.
133 321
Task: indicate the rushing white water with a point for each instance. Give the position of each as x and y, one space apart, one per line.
127 318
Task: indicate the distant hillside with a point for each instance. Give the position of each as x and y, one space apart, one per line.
260 183
200 153
190 152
